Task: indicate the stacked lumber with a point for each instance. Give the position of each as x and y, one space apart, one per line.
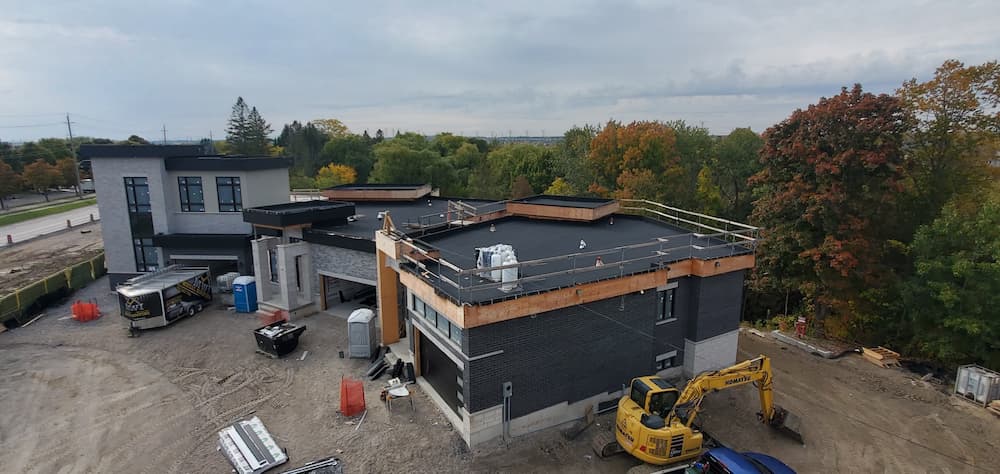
994 407
881 356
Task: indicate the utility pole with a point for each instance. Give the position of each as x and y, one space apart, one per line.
164 134
72 148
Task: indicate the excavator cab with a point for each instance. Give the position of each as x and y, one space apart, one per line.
655 395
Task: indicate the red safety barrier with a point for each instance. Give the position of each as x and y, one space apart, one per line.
352 397
85 311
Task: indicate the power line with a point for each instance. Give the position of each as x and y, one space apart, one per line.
32 125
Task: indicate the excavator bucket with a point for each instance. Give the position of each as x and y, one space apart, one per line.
787 423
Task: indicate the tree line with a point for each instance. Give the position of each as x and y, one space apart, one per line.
879 213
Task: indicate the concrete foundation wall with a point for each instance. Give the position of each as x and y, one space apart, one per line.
710 354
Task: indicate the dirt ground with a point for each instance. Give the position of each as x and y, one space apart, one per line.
25 263
83 397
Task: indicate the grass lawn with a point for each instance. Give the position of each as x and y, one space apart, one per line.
16 217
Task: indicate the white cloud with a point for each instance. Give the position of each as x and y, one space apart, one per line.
469 67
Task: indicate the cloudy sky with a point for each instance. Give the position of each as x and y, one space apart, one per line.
486 68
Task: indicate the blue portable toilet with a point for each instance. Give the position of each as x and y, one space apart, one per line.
245 294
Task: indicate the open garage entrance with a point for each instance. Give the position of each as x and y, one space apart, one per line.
338 290
440 372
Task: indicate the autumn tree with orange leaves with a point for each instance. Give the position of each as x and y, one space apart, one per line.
636 161
828 200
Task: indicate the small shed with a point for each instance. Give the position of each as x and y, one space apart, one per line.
361 333
245 294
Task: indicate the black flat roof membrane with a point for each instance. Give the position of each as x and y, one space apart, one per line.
534 239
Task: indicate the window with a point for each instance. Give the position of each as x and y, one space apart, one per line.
436 320
666 305
272 257
146 256
298 273
666 361
141 224
137 195
230 196
192 195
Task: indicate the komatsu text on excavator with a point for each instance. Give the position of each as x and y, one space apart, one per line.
655 422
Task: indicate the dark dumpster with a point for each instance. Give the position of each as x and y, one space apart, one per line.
278 339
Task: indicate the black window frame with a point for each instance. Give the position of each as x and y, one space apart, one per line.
143 261
184 188
666 304
230 185
132 194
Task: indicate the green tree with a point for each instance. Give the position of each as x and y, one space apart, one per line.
350 150
67 172
238 128
57 147
708 193
694 149
956 113
735 160
303 143
41 176
247 132
953 296
257 139
298 181
832 175
521 188
30 152
561 187
447 144
331 127
571 157
397 163
466 158
135 140
10 182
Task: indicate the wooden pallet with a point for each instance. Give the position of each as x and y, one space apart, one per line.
994 407
881 356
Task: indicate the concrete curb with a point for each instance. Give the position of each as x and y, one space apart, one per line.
800 344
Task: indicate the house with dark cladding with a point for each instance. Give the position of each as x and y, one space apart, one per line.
175 204
517 315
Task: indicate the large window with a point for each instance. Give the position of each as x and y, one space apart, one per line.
146 256
141 224
192 195
436 320
230 196
137 195
666 305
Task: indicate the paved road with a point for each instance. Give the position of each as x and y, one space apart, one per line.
44 225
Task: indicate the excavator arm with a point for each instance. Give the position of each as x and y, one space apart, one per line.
756 371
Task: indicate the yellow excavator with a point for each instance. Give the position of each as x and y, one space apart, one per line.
655 421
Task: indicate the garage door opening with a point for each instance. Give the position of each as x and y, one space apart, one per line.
441 372
337 292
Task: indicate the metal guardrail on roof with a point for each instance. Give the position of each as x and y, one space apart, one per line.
712 238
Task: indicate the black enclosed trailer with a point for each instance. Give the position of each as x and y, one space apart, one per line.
160 298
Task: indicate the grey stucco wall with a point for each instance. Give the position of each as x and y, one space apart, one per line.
565 355
719 301
258 188
109 185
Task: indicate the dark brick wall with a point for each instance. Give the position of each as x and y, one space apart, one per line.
719 302
566 355
670 335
